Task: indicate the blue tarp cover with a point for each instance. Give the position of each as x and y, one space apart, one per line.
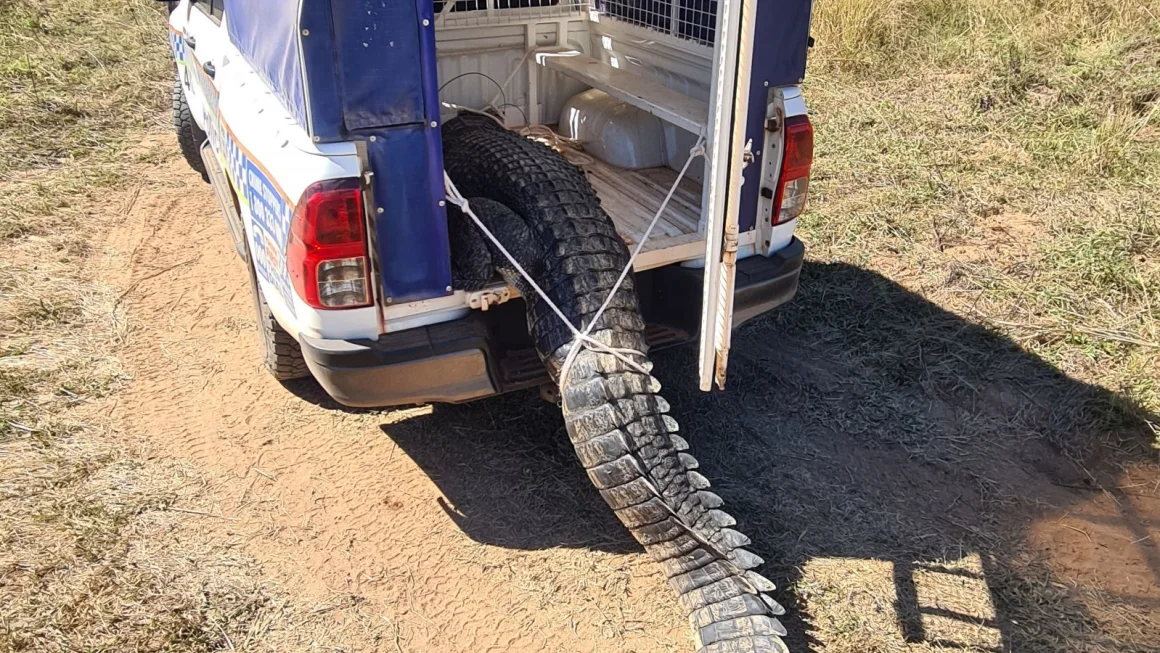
266 33
338 66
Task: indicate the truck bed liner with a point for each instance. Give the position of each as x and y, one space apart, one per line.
632 197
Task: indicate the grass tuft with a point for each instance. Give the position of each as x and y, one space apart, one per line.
91 558
75 79
1004 160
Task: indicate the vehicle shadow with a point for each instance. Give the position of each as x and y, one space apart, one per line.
505 467
876 448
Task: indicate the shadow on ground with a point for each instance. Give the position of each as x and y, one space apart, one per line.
874 446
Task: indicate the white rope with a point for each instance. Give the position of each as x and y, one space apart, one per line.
456 198
697 150
569 148
585 340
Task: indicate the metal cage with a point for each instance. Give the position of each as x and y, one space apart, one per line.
690 20
474 13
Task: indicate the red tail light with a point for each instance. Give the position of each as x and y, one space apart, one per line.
327 252
794 182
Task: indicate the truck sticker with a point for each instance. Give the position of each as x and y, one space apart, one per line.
267 205
270 212
269 208
177 42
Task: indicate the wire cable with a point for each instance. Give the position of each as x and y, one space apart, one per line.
473 72
514 106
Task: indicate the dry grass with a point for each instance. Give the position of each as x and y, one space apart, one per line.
1002 158
1001 161
95 559
980 162
77 77
95 551
77 83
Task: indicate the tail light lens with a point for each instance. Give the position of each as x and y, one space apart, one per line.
327 252
794 183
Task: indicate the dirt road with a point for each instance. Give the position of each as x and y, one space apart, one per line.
963 495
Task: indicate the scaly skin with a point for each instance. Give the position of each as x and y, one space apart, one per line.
548 216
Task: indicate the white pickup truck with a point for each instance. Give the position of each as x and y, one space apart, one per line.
444 200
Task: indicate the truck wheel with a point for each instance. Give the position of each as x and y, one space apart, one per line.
546 213
189 135
281 353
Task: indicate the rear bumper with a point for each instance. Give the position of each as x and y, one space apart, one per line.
446 362
672 295
763 283
485 354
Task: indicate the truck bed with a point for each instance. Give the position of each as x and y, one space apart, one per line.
632 197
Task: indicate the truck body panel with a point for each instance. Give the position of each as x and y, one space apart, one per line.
782 35
349 72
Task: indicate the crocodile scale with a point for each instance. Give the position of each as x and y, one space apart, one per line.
546 213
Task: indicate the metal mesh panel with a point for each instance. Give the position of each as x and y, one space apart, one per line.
487 12
692 20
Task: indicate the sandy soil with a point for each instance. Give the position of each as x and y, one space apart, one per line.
885 505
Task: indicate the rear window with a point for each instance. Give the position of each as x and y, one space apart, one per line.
215 8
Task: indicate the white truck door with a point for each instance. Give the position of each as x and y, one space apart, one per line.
726 150
205 40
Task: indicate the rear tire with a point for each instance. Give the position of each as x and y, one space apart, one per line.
281 353
189 135
546 213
